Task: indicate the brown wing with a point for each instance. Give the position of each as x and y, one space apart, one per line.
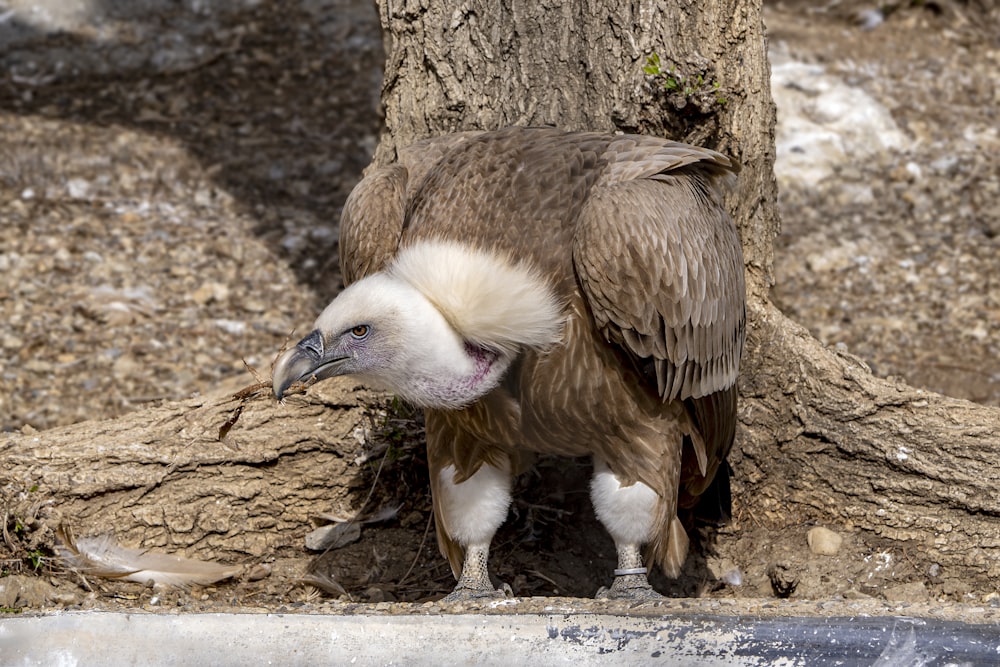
420 158
705 483
631 157
661 266
372 222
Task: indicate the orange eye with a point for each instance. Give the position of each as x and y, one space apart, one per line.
360 331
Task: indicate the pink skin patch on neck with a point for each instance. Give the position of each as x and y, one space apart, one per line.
446 391
484 362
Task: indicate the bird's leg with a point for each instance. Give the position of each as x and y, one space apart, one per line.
630 577
475 580
629 513
472 511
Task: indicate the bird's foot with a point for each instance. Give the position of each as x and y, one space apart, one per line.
633 587
469 591
474 584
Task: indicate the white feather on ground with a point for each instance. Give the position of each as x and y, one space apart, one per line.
102 556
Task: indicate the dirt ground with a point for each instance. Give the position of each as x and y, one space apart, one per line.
171 178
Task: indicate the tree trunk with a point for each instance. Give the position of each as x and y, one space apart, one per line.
217 477
579 66
821 437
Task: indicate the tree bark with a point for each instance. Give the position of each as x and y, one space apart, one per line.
822 438
164 478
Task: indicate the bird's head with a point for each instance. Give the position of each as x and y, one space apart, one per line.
384 331
439 327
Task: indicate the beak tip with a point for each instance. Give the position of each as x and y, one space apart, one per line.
294 364
279 386
285 373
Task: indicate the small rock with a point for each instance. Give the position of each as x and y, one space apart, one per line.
11 342
253 305
66 599
377 595
234 327
258 572
126 366
823 541
38 366
78 188
23 591
855 594
869 19
954 588
209 292
783 579
413 518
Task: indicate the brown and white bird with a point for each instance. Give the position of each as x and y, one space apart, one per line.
577 294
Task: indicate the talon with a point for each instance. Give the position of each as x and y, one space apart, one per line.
630 578
629 587
464 593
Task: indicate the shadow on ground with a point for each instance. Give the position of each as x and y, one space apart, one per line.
279 101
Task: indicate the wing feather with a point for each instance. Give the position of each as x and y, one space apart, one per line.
661 266
372 222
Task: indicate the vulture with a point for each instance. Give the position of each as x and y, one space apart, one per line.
538 291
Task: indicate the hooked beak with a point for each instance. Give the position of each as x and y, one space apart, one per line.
305 360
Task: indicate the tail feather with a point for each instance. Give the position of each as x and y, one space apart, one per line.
448 547
678 549
670 543
715 504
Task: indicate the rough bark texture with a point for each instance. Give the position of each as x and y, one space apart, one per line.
164 478
820 433
822 438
